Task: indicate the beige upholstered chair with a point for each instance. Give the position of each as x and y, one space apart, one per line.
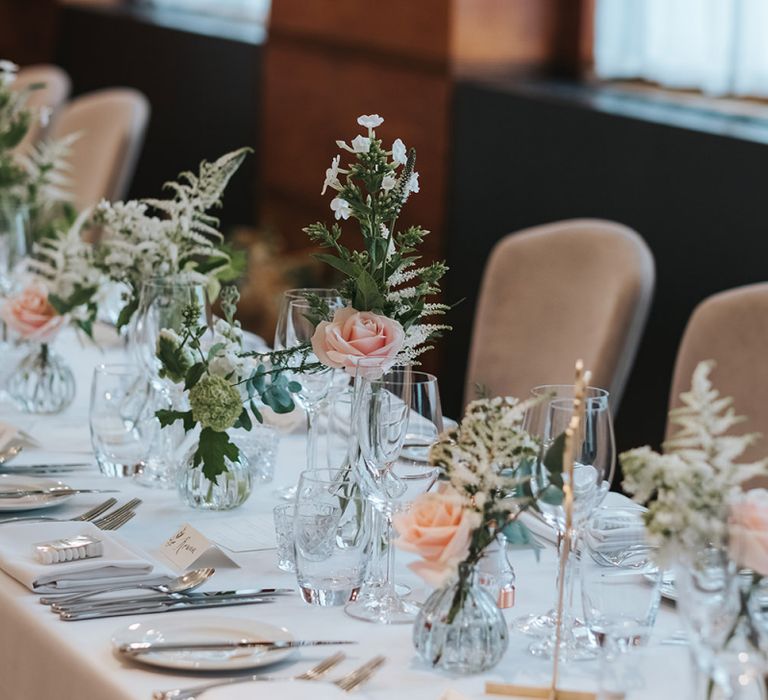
52 97
111 125
731 328
553 294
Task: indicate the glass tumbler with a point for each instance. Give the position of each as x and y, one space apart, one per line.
122 426
330 537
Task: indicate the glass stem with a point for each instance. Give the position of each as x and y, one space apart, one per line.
375 574
311 439
389 583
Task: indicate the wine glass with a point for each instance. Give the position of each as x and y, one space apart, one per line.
162 303
330 296
13 242
398 416
594 462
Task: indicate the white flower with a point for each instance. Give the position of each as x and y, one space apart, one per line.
413 183
361 144
388 182
8 71
370 121
399 152
332 176
340 208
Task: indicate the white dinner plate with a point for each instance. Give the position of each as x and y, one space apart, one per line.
214 628
10 482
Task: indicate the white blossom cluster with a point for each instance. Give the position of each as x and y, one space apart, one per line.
160 237
478 457
227 344
688 488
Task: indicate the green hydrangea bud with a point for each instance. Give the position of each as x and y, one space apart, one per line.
215 403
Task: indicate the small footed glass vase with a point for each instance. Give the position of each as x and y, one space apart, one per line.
460 629
42 382
230 489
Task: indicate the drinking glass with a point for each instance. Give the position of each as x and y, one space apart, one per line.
122 426
284 516
260 445
330 537
13 242
398 418
331 297
594 456
161 306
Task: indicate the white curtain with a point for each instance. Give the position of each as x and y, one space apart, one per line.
717 46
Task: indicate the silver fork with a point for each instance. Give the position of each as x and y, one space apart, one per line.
311 674
94 512
119 521
360 675
116 515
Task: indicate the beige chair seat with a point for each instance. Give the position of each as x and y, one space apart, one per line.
731 328
553 294
52 96
111 125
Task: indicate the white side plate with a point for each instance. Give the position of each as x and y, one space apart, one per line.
10 482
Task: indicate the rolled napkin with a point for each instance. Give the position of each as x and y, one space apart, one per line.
613 529
120 562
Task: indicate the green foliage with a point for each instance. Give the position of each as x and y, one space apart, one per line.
212 450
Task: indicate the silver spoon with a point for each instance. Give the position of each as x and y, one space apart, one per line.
10 453
180 584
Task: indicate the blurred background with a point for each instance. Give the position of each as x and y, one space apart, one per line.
651 113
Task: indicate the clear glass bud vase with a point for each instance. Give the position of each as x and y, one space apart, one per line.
42 382
460 629
230 488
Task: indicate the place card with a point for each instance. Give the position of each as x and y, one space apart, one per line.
189 547
252 533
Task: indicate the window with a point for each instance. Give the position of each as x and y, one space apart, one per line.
256 10
717 46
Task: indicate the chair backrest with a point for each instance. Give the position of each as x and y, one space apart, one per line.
730 328
52 96
555 293
111 125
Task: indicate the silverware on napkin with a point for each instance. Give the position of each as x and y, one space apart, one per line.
61 604
163 607
53 491
134 648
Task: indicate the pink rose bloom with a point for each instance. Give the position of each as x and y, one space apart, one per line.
748 531
31 315
358 338
438 527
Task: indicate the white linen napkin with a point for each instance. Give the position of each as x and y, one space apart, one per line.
613 529
11 435
120 563
289 690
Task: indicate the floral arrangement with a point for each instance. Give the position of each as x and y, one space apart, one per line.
486 465
36 179
388 291
690 487
177 236
223 382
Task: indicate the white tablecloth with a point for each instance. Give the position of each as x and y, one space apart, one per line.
43 657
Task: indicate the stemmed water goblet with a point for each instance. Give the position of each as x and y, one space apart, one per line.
398 416
595 454
162 304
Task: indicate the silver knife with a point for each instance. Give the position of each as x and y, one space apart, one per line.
32 467
22 493
135 648
173 606
91 603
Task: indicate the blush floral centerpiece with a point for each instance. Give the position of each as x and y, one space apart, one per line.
703 525
485 486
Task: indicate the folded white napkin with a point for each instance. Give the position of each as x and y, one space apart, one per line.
120 562
613 529
290 690
11 435
546 533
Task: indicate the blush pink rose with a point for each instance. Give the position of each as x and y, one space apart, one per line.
748 531
357 338
31 315
438 527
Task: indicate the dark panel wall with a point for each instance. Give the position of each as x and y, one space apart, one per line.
524 157
204 91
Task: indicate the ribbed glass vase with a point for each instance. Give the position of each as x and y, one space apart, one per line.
42 382
460 629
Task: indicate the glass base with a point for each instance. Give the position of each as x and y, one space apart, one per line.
576 644
326 597
156 474
287 493
120 469
536 625
382 607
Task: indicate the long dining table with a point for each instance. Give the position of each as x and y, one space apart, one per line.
44 657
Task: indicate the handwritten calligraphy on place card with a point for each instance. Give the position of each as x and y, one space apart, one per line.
189 546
